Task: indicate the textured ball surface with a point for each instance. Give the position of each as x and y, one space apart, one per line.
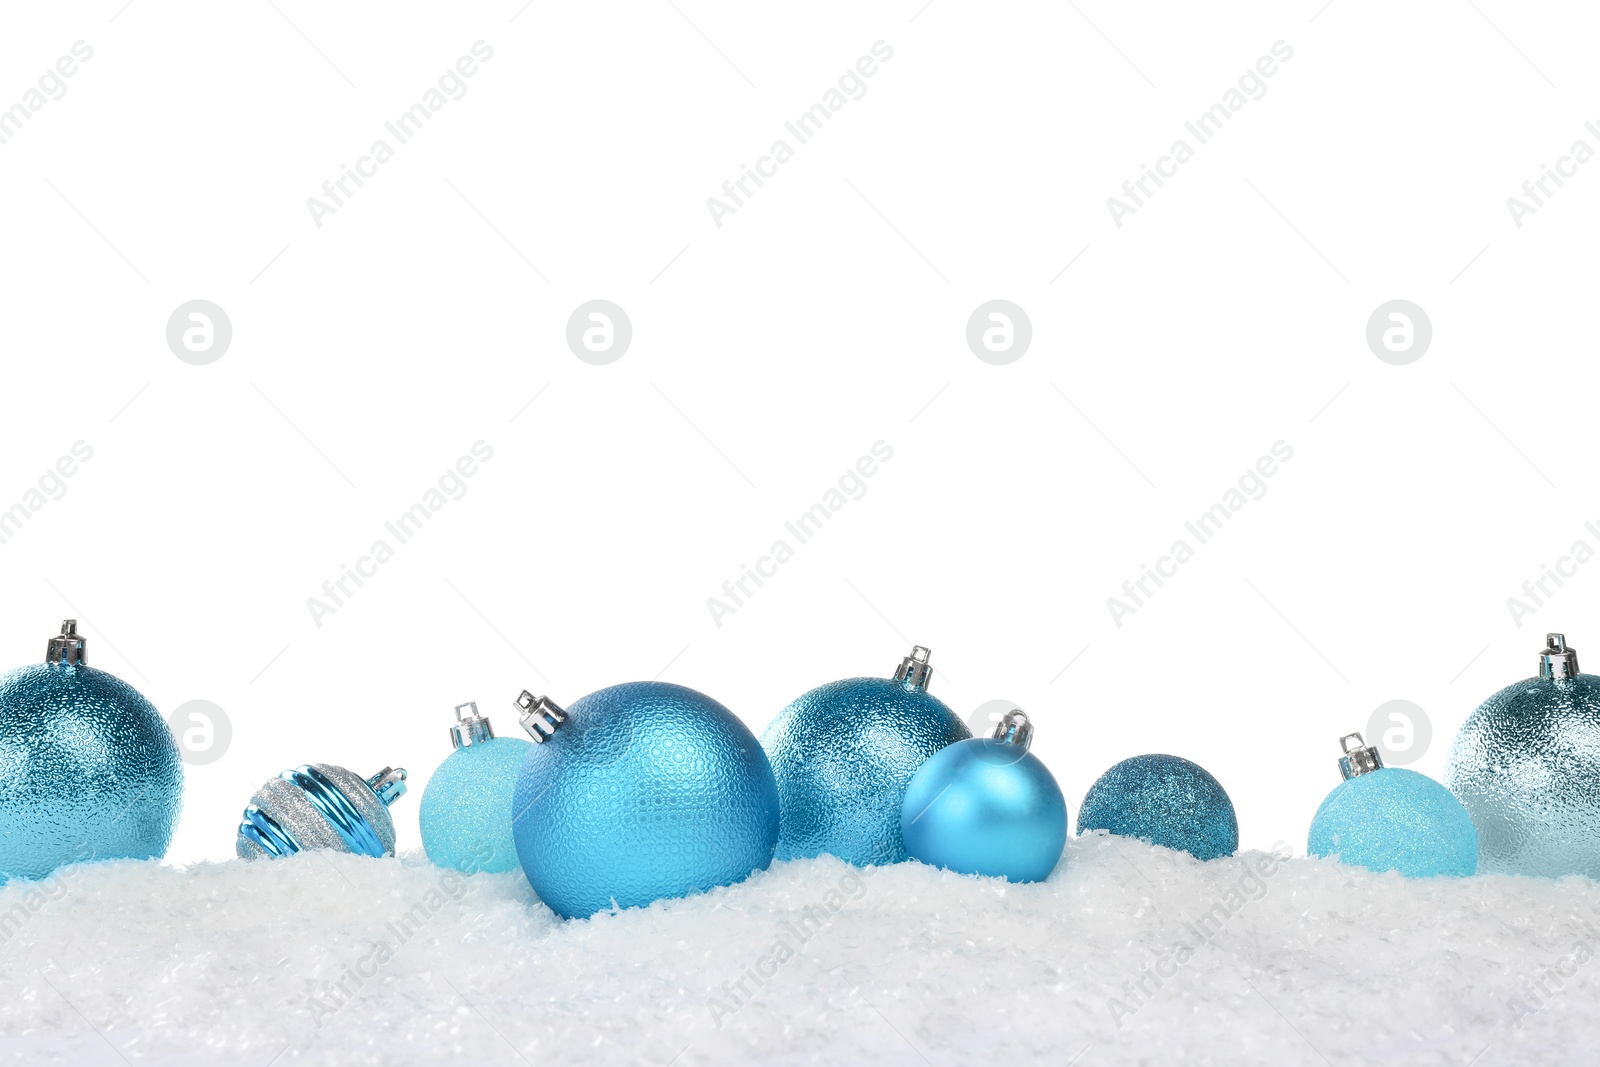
88 771
650 790
1393 819
298 817
843 755
1526 765
982 806
466 808
1166 800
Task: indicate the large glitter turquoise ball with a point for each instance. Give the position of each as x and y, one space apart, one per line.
88 771
466 809
982 806
650 790
1165 800
1526 764
1392 819
843 755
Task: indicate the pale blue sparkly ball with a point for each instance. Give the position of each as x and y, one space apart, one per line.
982 806
1526 764
649 790
1166 800
466 809
1392 819
843 755
88 771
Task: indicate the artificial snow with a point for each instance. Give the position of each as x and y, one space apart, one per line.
1128 954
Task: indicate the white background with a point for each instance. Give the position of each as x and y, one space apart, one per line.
769 354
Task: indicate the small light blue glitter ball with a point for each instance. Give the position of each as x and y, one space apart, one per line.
466 807
982 806
1165 800
88 771
649 790
1392 819
843 755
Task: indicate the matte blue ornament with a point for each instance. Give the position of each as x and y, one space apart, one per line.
88 768
987 806
1526 764
466 808
1391 819
649 790
1165 800
843 755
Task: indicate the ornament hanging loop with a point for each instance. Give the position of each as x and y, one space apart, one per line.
470 728
541 716
68 648
1359 758
1014 728
1557 662
389 784
914 671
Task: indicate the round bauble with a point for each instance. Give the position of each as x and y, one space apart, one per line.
639 792
987 806
843 755
1392 819
1165 800
1526 765
88 768
465 815
321 806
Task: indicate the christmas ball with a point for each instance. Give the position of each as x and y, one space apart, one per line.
1391 819
466 807
1165 800
639 792
843 755
321 806
987 806
88 768
1526 765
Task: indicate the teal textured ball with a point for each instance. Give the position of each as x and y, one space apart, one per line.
1392 819
649 790
843 755
465 813
88 768
1165 800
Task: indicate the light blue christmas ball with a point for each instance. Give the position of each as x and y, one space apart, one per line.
843 755
466 810
88 768
1526 765
986 806
1165 800
646 790
1392 819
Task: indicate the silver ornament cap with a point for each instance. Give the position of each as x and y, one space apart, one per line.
1014 728
541 716
914 671
321 806
68 647
470 728
1557 663
1359 758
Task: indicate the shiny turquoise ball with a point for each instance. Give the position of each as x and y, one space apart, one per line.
1392 819
466 811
